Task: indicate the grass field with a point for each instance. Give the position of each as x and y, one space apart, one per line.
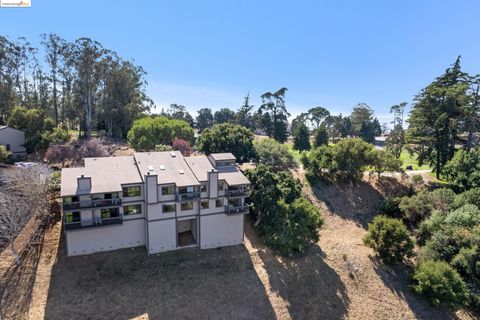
297 155
411 160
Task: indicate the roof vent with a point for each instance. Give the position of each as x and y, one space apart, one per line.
181 171
150 168
173 154
162 167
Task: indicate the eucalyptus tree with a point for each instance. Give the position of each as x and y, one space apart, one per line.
317 115
396 138
273 105
54 54
86 54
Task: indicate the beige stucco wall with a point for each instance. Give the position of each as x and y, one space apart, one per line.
14 138
162 236
220 230
97 239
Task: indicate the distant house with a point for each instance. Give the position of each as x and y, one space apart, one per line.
13 139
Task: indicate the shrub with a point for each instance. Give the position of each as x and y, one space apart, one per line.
54 182
288 222
390 207
381 161
57 136
447 242
439 283
419 206
148 132
4 153
467 216
59 153
346 159
228 137
390 239
182 146
274 154
320 137
290 187
93 148
163 147
471 196
295 229
463 169
429 226
417 179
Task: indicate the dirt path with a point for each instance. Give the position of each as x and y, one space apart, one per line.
41 285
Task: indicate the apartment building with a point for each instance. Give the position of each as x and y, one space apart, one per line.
160 200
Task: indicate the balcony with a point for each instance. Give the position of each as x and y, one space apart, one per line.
92 204
187 196
92 223
237 210
234 193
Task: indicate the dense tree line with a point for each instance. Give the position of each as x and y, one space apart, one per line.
78 85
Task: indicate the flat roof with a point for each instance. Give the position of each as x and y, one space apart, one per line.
170 167
200 166
107 174
222 156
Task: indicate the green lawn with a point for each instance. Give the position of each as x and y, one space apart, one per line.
297 155
409 160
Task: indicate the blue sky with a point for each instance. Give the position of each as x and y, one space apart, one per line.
327 53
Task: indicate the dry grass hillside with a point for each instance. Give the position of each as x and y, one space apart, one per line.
338 278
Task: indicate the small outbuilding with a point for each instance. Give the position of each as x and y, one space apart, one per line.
13 139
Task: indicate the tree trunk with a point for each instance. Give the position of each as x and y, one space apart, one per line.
55 106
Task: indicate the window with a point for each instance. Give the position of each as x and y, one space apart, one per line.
168 208
71 217
132 209
204 204
218 203
8 147
220 186
109 213
70 199
225 163
187 206
186 190
203 187
168 190
131 191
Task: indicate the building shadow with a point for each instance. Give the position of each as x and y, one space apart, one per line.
185 284
309 286
397 279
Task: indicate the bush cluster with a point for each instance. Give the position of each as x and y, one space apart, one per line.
288 222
